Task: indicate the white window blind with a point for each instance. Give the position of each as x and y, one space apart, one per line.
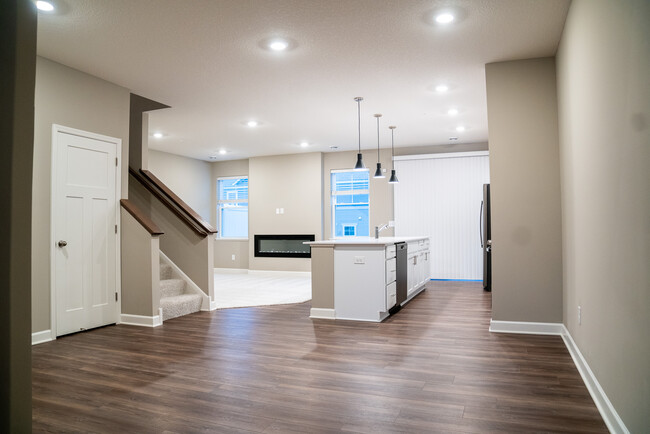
440 197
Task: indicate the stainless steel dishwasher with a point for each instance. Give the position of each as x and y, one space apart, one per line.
401 254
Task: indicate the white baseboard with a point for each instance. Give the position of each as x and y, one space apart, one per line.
292 273
532 328
140 320
607 411
42 337
322 313
205 299
231 270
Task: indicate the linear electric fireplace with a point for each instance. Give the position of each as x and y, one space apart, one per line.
283 246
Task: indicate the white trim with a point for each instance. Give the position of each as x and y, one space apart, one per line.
206 303
141 320
56 128
319 313
532 328
443 155
42 337
231 270
607 411
294 273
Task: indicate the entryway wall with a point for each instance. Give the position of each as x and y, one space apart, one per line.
68 97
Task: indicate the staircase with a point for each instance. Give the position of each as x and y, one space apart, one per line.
175 301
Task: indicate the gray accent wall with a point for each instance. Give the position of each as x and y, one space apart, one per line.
74 99
603 74
525 191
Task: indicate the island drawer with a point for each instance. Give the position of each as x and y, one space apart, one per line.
391 295
390 251
391 270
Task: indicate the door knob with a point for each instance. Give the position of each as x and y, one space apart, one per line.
63 243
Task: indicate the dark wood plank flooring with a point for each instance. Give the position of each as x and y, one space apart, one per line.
433 367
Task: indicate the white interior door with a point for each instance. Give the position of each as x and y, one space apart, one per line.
84 234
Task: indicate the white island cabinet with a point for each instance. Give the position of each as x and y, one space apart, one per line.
356 279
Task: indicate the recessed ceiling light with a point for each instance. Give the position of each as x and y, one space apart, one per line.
444 18
304 144
158 135
460 128
222 152
278 45
442 88
44 6
252 124
452 112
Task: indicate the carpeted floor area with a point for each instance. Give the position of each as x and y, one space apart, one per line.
260 289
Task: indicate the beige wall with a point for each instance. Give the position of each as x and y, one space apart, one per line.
381 192
225 249
189 178
604 114
18 48
441 149
292 182
525 191
140 277
71 98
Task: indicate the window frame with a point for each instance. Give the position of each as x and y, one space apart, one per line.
334 193
223 201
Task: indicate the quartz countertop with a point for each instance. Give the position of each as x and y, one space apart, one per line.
364 241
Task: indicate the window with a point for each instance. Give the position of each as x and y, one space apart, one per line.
350 203
232 207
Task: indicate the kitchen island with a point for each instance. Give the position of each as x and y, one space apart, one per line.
365 279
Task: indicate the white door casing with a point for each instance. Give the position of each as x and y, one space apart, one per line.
85 242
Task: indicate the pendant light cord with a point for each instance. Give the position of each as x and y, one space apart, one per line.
377 139
359 121
392 148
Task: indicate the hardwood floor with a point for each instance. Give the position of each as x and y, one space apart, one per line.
433 367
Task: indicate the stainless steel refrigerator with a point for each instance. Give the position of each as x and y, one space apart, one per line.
486 238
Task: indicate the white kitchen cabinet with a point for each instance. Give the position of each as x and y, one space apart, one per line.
364 286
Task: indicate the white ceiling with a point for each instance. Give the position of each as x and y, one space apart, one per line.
206 59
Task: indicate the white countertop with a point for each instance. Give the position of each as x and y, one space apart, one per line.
363 241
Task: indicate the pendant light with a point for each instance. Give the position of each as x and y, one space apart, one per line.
393 178
378 172
359 165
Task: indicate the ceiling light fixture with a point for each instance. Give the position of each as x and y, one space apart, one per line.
452 112
442 88
444 18
378 172
460 128
393 177
304 144
158 135
222 152
278 45
252 124
44 6
359 165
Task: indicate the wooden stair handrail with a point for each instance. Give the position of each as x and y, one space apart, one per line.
137 214
179 202
173 206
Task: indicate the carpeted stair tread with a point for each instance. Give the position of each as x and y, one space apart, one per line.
180 305
171 287
165 271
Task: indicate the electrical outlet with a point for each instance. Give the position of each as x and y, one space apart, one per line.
233 257
359 259
579 315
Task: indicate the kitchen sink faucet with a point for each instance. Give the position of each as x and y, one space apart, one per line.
380 228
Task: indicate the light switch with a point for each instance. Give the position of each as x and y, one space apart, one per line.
359 259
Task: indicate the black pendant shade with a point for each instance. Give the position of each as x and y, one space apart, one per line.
359 165
393 177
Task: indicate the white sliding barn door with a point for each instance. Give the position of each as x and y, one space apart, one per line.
84 206
440 197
